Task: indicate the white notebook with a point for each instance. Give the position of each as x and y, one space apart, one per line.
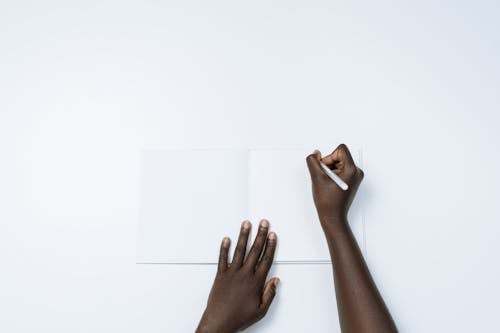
191 199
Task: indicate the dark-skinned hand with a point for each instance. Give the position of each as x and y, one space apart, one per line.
332 203
240 295
360 306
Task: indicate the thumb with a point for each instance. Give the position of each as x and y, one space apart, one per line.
313 164
269 293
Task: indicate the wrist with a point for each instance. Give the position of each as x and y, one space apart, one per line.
332 223
211 326
207 328
332 219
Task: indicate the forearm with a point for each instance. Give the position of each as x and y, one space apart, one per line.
360 306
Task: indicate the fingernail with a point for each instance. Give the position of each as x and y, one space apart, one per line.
264 223
246 225
276 282
316 151
225 241
272 236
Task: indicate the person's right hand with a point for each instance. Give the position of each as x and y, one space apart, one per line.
332 203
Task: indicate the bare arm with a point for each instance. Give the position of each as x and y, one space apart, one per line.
360 305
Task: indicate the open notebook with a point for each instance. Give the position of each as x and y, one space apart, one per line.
191 199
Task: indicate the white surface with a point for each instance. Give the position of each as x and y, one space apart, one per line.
202 193
85 86
205 192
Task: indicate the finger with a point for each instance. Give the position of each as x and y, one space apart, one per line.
224 250
258 244
241 246
313 164
268 256
344 154
269 293
340 159
360 174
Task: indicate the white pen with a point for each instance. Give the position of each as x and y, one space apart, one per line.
334 177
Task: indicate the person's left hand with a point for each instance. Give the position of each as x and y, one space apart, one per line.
240 295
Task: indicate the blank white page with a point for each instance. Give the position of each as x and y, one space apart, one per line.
280 191
190 200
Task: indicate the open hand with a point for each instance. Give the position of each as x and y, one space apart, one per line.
240 295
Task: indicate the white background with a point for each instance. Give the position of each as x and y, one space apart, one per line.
84 86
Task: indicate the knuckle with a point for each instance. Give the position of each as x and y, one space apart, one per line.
310 157
261 313
351 170
272 241
263 309
258 244
343 148
271 247
311 161
240 249
268 258
254 251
